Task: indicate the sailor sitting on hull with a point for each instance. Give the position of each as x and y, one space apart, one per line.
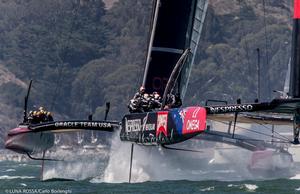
155 101
143 102
39 116
135 103
173 101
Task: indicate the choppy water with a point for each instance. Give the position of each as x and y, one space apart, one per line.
20 177
24 177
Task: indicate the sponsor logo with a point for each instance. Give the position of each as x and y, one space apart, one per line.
193 125
162 123
182 114
149 139
195 120
133 125
150 127
83 124
232 108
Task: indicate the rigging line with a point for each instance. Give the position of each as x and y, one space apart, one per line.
261 133
271 129
58 67
244 34
249 139
239 29
266 42
60 64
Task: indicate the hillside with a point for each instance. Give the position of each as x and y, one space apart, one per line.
81 54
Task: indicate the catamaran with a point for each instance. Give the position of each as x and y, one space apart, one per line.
174 38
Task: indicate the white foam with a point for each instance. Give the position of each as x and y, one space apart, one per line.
23 184
78 165
250 187
208 189
232 185
211 161
150 163
296 177
15 177
10 170
31 165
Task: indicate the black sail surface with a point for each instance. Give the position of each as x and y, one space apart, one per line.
173 28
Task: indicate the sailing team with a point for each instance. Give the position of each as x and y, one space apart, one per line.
144 102
141 102
39 116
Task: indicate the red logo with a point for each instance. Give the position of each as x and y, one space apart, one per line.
162 123
195 120
296 9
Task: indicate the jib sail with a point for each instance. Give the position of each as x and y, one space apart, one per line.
176 26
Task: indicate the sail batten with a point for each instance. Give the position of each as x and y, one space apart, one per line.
169 50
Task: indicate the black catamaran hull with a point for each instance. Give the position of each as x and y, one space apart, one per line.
163 127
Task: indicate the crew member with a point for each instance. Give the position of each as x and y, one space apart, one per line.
137 102
173 101
155 101
178 101
143 102
39 116
140 93
49 117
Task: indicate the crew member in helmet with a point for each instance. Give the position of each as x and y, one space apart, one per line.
173 101
140 93
135 104
145 102
39 116
49 117
155 101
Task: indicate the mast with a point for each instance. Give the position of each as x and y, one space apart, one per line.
295 58
295 68
174 29
151 41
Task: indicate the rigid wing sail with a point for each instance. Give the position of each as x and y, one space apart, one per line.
176 26
167 47
175 34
